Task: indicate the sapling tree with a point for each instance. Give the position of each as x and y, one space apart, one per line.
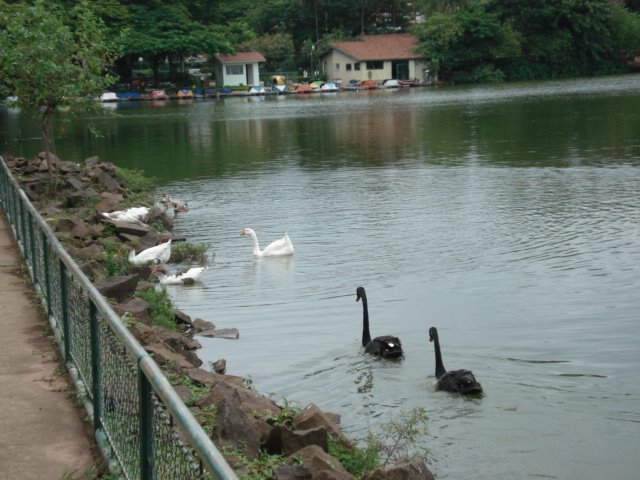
50 58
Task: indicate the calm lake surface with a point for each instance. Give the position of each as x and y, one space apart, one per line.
508 217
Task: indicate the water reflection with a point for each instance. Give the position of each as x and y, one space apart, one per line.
508 217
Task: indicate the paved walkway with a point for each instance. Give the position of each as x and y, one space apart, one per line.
42 435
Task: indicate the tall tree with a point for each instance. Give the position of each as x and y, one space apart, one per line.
47 62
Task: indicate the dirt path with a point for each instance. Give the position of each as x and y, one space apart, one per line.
42 435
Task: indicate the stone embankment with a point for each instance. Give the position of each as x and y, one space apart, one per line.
243 423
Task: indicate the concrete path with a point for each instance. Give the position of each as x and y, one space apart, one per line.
42 434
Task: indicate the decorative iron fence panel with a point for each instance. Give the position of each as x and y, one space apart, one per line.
144 429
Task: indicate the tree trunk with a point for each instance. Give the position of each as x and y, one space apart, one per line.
45 132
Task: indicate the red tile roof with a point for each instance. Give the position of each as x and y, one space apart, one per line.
241 57
395 46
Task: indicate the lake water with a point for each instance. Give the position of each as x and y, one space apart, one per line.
508 217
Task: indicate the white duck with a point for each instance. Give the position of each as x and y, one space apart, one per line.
133 215
282 246
182 277
158 254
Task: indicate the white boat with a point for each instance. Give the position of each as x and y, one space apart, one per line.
109 97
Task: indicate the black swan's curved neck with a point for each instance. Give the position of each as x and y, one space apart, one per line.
440 370
366 336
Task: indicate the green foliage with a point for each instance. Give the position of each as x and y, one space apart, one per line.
135 179
259 469
114 262
163 312
277 48
398 439
184 252
356 461
50 58
285 416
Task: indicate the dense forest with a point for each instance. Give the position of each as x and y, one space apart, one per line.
463 40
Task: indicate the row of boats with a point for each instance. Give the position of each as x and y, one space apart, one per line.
307 87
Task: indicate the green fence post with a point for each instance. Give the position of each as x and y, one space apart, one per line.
47 274
146 428
34 260
64 307
96 372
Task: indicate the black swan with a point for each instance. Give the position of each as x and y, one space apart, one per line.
458 381
386 346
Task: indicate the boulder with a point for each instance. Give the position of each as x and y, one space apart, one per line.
294 440
235 427
163 355
119 288
205 378
292 472
136 307
312 417
92 252
199 325
321 464
412 470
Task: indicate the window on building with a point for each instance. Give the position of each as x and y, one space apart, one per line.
337 66
234 69
348 66
356 66
375 65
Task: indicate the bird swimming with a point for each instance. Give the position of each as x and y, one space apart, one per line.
282 246
457 381
386 346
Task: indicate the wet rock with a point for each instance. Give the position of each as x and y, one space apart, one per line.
119 288
219 366
199 325
228 333
182 318
413 470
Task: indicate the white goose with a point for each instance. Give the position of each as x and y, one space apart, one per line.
133 215
282 246
182 277
158 254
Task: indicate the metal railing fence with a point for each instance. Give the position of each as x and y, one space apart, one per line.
144 429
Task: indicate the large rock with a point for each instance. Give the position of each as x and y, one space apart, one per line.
321 464
292 472
205 378
164 356
119 288
235 428
136 307
312 417
199 325
413 470
294 440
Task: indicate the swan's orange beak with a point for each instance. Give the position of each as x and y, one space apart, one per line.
243 232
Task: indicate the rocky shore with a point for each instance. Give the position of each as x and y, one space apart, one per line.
259 438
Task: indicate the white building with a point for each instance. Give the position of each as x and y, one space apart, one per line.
239 69
374 57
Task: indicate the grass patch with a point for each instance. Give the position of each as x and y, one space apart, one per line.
135 179
356 461
163 313
182 252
